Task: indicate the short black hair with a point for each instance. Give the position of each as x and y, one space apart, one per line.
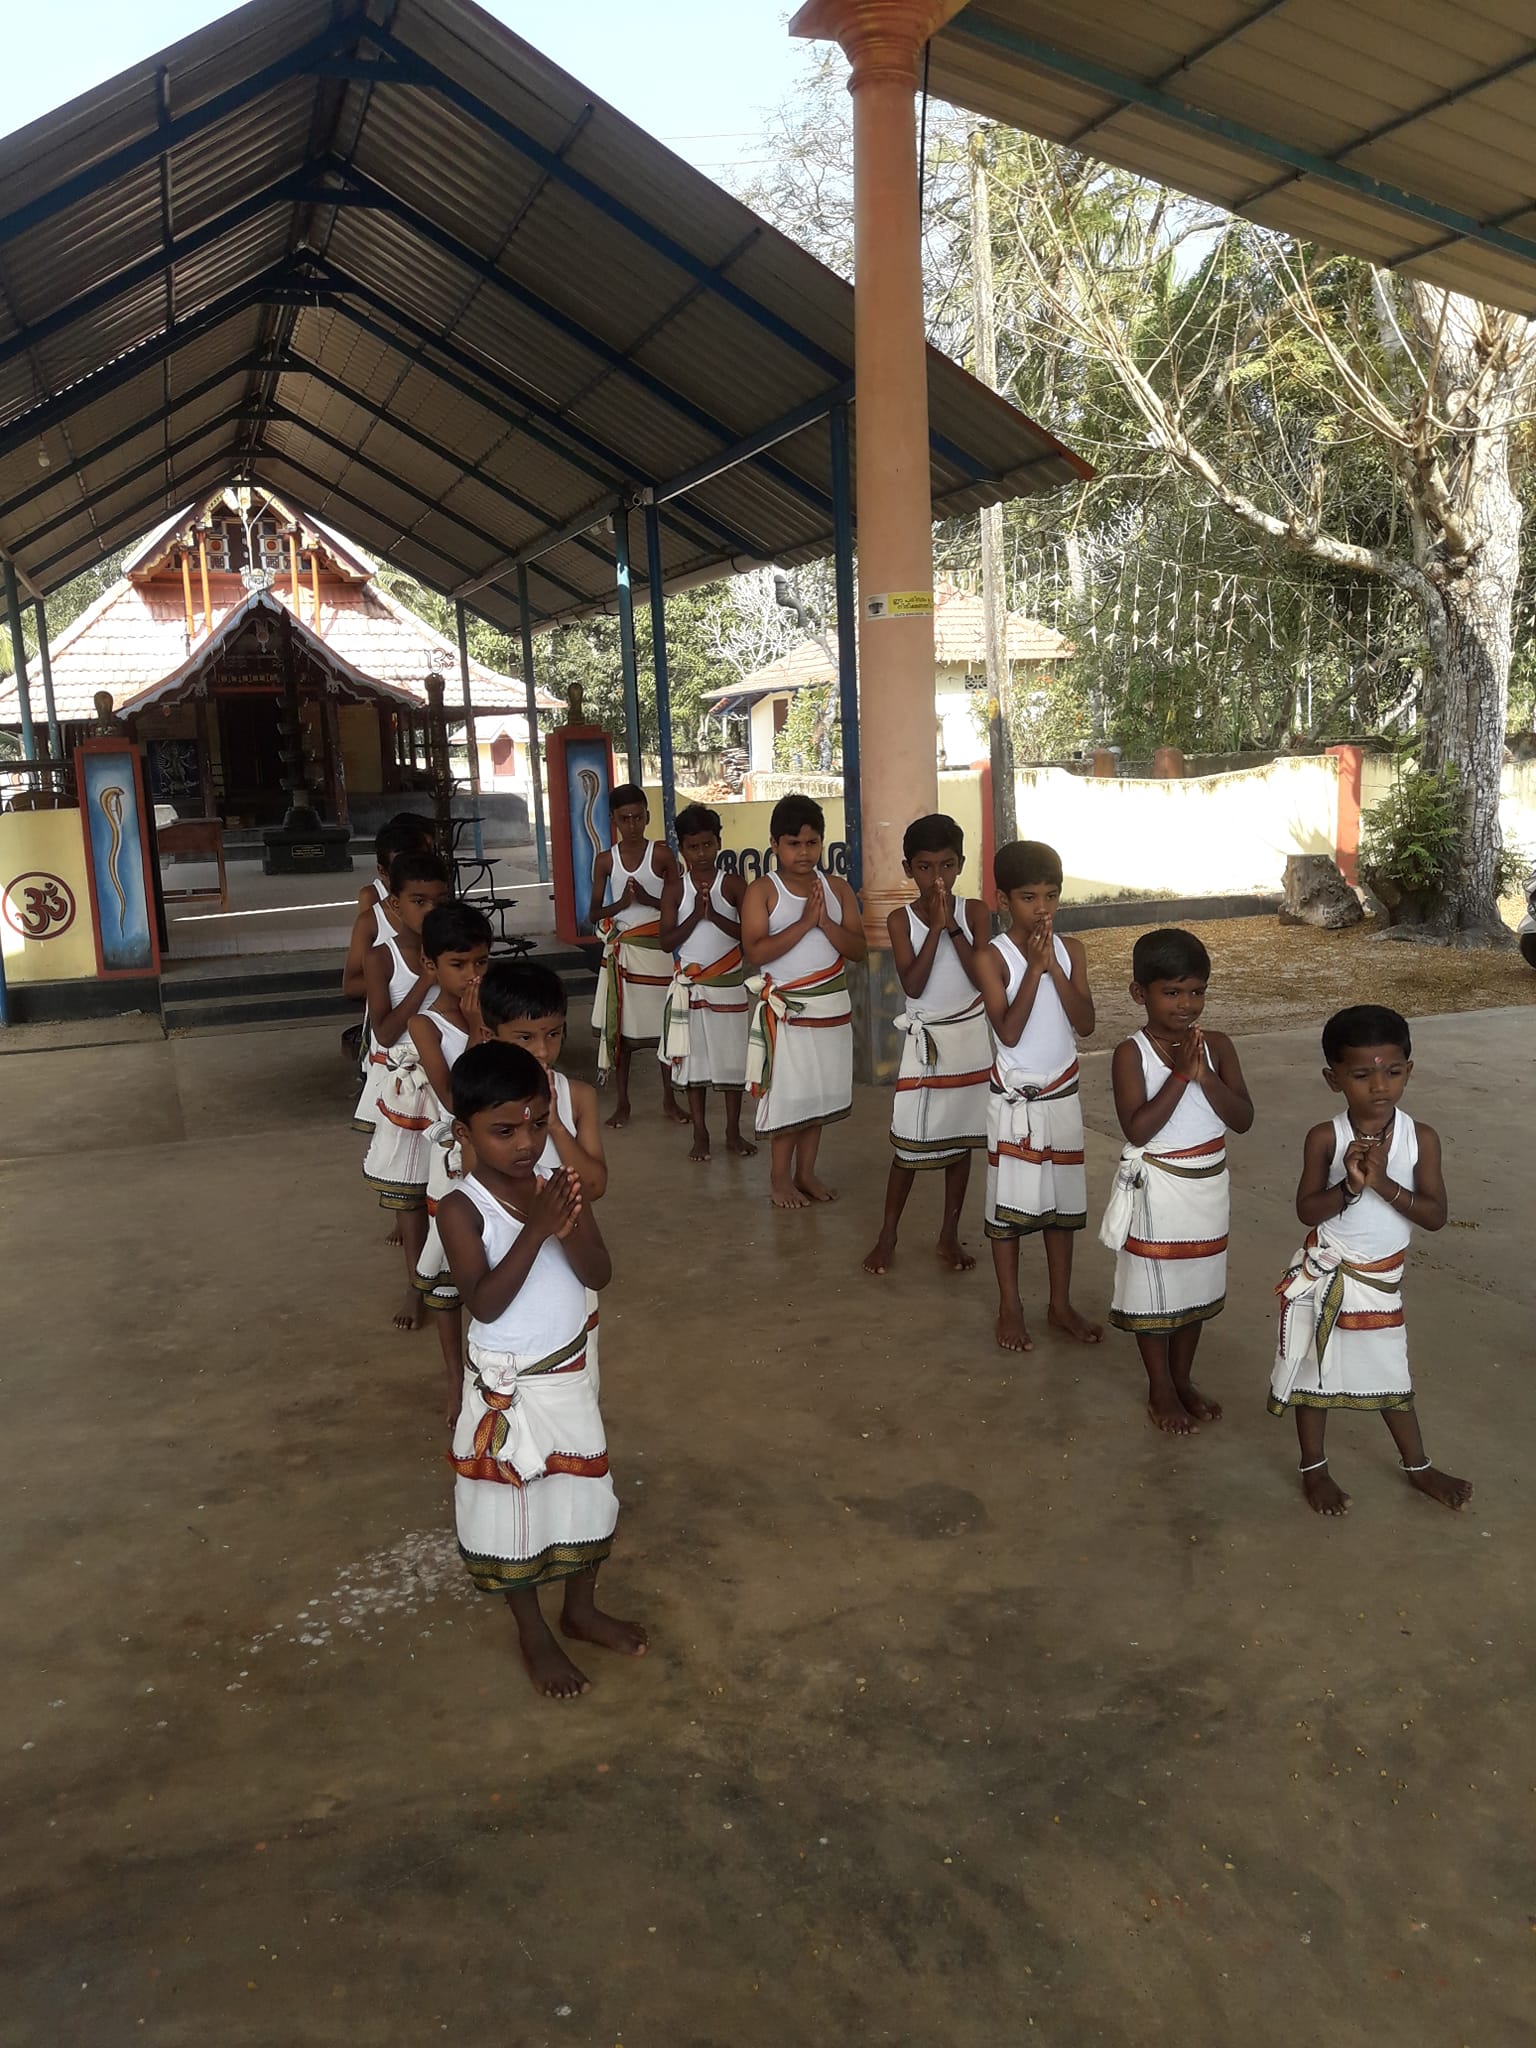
1365 1024
1024 862
493 1073
1168 955
417 867
934 834
453 928
791 815
405 834
696 819
628 793
513 989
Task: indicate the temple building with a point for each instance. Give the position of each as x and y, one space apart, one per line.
191 644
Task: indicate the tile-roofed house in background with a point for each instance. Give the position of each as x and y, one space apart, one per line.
959 680
187 645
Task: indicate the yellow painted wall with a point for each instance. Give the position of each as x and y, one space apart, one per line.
744 824
1209 835
358 728
36 846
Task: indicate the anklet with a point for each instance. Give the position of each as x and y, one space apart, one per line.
1317 1467
1417 1468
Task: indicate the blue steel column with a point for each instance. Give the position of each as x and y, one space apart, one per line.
55 741
471 745
627 641
659 663
19 659
847 642
535 773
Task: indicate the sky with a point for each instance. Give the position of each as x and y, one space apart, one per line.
702 91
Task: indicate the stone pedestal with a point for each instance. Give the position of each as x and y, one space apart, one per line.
1168 763
305 846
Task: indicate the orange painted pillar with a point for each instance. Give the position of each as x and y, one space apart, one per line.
883 42
1346 835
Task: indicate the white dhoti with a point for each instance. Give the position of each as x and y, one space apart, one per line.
632 982
1035 1174
405 1110
445 1168
1167 1224
943 1085
1343 1343
704 1025
532 1497
374 1066
800 1050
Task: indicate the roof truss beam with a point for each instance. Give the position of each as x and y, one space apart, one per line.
370 512
357 189
162 456
338 288
298 189
297 504
55 477
165 135
1269 148
62 405
285 415
128 525
294 364
405 67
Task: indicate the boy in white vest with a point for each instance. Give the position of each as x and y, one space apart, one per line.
939 1110
1178 1091
1035 986
704 1025
1368 1177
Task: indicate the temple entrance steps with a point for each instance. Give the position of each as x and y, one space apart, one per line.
304 988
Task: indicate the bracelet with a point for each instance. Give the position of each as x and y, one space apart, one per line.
1400 1190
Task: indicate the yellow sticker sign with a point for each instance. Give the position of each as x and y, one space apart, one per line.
898 604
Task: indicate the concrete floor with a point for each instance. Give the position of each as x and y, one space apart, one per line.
311 913
976 1711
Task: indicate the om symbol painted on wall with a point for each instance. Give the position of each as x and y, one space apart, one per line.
38 905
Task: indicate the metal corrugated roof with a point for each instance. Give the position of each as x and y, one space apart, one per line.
384 257
1401 131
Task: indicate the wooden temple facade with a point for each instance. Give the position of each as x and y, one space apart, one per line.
216 617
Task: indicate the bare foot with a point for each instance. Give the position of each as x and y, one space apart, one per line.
879 1260
1440 1486
740 1147
606 1631
1011 1333
1196 1404
619 1118
1072 1325
818 1190
394 1236
673 1111
1167 1412
411 1313
785 1195
552 1672
700 1151
1324 1495
954 1255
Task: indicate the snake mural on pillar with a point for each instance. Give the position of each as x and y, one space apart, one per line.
586 785
110 801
